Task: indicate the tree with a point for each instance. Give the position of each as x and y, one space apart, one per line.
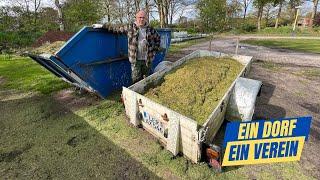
260 4
29 9
233 8
79 13
280 3
36 5
60 15
245 4
268 13
162 10
314 11
212 14
292 4
47 19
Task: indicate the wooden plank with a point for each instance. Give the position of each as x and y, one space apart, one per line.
173 144
131 104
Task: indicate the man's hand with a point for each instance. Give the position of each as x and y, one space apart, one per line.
97 26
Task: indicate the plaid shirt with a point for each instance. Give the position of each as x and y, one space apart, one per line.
132 31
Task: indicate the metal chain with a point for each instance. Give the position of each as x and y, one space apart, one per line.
203 134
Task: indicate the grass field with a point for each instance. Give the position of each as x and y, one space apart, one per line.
178 46
303 45
42 137
21 73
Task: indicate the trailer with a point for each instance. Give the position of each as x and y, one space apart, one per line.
180 134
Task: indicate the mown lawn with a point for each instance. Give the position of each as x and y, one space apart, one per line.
175 47
21 73
43 138
302 45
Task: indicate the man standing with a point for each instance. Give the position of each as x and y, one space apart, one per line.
143 43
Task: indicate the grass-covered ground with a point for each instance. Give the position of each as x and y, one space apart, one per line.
303 45
43 137
21 73
176 47
251 29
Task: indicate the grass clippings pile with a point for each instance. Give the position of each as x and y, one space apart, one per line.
195 88
49 48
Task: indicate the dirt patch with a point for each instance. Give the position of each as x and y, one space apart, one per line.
286 94
49 48
76 127
52 36
76 140
315 108
12 155
74 100
2 80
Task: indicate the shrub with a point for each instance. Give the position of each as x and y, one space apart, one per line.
248 27
17 39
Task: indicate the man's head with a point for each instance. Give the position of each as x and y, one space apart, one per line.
141 18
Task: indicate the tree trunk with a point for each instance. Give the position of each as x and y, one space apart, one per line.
279 15
166 12
267 16
137 5
60 15
260 12
160 11
147 9
314 11
245 12
36 8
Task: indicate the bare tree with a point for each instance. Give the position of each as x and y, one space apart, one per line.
176 7
280 2
29 7
137 5
268 13
36 5
245 4
314 11
160 7
60 15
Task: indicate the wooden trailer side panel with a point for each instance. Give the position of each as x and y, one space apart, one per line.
176 132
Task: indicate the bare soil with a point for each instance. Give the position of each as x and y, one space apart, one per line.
52 36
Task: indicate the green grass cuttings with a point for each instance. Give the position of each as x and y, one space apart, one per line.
41 139
23 74
303 45
195 89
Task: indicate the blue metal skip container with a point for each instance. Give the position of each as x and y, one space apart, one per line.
97 60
